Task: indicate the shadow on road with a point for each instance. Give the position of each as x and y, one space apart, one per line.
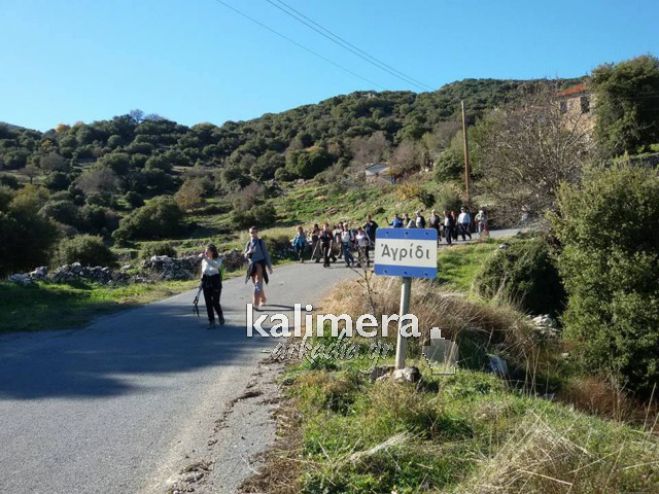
117 353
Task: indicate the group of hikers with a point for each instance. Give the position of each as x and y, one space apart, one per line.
329 243
353 245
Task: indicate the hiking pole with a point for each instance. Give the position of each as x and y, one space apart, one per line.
195 302
313 252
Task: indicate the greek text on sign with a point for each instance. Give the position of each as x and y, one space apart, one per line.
410 252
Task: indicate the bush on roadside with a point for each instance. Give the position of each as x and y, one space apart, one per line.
159 218
610 266
524 273
88 250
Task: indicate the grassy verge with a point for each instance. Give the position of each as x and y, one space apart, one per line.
55 306
465 433
459 265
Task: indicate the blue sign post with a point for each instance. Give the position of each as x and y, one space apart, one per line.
408 253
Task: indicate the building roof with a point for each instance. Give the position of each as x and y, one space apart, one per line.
573 90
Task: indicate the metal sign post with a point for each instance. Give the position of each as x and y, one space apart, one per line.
409 253
401 343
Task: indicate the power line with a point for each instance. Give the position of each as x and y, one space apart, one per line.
299 45
345 44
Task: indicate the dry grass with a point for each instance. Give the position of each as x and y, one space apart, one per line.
498 328
540 457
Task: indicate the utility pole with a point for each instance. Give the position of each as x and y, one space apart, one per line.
466 152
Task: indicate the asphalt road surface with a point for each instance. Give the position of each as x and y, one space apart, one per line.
121 405
116 407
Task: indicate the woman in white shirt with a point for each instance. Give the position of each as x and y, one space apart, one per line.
211 283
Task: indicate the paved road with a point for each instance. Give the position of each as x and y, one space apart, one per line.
121 405
117 406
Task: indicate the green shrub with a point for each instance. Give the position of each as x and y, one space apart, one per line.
134 199
261 216
610 266
88 250
62 211
26 237
525 273
158 249
448 197
449 166
160 218
283 175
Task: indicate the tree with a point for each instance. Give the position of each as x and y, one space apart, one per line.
526 151
627 105
190 195
159 218
372 149
98 180
609 263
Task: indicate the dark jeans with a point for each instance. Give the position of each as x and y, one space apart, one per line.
464 230
448 233
327 253
347 254
299 250
212 286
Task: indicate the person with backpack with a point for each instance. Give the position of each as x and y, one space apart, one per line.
434 222
362 245
420 220
259 265
481 218
408 222
211 284
397 222
315 246
370 229
326 238
347 239
299 243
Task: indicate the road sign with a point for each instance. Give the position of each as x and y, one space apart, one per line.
407 252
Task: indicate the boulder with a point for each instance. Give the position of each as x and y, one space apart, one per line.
21 279
407 374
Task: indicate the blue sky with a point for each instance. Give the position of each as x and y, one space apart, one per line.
197 61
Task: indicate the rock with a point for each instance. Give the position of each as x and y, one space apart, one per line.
380 371
408 374
498 365
76 267
39 273
21 279
503 246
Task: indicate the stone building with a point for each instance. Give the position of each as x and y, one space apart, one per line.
576 104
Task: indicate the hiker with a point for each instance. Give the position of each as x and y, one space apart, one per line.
370 229
454 217
464 223
211 284
397 222
347 239
299 243
481 218
336 232
449 226
420 221
315 246
362 245
408 222
259 265
435 222
326 238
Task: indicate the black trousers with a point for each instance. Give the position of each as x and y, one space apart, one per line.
212 286
327 253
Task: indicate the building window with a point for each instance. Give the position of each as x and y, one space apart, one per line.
563 106
585 104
